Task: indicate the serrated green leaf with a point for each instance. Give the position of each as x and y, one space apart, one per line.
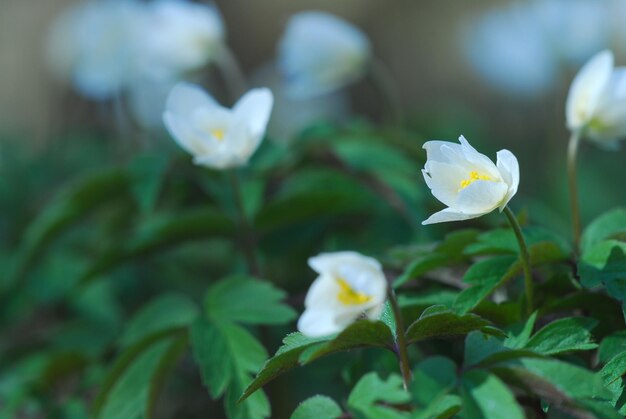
146 172
371 390
563 335
503 241
612 374
432 378
519 336
360 334
486 396
444 324
605 263
609 225
166 312
210 352
247 300
317 407
447 253
479 346
444 407
611 346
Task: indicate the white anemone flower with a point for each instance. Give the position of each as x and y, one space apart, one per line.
178 36
596 104
468 182
217 137
91 44
349 286
320 53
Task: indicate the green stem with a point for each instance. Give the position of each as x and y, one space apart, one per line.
231 72
572 152
403 355
523 250
383 80
247 236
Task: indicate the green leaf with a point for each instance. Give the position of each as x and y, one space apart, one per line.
564 335
518 337
317 407
71 205
484 276
444 407
360 334
447 253
503 241
166 312
130 396
444 324
227 355
479 346
433 377
605 263
612 374
611 346
486 396
609 225
286 357
428 298
146 173
247 300
163 232
371 390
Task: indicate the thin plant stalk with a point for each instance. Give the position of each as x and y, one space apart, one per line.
523 250
572 152
401 346
246 232
231 72
382 79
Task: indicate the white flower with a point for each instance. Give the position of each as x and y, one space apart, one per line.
178 36
320 53
596 104
468 182
349 286
217 137
91 45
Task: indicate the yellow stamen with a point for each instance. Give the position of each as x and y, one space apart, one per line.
474 176
348 296
218 133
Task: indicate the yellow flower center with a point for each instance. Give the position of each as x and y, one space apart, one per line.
348 296
218 133
474 176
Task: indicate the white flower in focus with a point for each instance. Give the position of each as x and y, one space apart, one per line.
596 104
91 45
217 137
178 36
348 287
320 53
468 182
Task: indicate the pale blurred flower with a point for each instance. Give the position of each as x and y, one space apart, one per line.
91 45
468 182
348 287
178 36
596 104
217 137
320 53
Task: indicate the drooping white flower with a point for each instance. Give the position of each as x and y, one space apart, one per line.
178 36
349 286
468 182
320 53
217 137
596 104
91 44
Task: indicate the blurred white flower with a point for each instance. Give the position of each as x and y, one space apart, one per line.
178 36
320 53
596 104
91 45
348 287
217 137
468 182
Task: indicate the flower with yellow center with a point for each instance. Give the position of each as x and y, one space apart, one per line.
596 104
217 137
349 286
468 182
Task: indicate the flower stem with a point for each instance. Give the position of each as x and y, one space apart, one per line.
247 236
231 72
523 250
403 356
572 152
383 80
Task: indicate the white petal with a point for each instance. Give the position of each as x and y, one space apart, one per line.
509 170
435 151
480 162
375 312
254 109
481 196
322 293
587 89
185 98
317 323
444 180
327 263
185 135
449 214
